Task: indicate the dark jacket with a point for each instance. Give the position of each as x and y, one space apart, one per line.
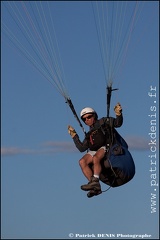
100 134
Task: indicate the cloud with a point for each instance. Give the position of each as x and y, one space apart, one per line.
63 146
45 148
7 151
137 143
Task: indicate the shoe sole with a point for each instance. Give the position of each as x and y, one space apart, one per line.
93 193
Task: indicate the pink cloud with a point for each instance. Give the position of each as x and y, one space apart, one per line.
51 147
46 148
137 143
6 151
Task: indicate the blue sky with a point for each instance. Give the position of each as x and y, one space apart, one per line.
40 174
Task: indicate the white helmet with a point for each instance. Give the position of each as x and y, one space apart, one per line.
88 110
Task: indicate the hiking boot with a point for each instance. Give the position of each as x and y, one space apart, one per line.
93 193
92 185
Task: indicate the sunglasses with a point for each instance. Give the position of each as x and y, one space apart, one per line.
89 117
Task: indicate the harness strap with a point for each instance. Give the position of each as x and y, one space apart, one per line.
91 140
68 100
108 131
